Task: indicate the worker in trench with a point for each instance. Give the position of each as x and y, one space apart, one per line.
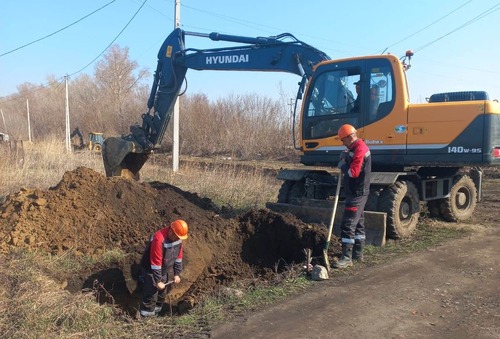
355 164
161 265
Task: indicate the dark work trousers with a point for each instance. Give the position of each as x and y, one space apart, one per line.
353 221
152 297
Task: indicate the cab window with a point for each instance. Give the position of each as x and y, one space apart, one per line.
332 98
381 100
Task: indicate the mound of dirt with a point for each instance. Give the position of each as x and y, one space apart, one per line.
87 214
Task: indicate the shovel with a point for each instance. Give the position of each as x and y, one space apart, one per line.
330 227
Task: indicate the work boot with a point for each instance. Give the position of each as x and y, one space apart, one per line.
147 314
357 252
345 260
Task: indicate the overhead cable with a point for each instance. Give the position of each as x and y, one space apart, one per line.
473 20
112 41
59 30
420 30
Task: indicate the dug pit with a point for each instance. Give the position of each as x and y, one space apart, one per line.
87 214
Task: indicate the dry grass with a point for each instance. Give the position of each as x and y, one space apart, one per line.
43 166
33 299
31 302
34 302
225 184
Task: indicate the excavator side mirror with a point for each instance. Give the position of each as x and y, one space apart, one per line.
409 53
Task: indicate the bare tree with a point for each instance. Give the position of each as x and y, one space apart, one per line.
117 78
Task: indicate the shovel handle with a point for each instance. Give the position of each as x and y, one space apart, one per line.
334 210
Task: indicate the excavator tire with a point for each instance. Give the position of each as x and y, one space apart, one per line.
461 203
401 203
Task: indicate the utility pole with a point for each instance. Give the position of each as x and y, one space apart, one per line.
68 140
29 124
291 111
175 146
4 125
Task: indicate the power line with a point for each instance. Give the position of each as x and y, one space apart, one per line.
90 63
471 21
59 30
123 29
420 30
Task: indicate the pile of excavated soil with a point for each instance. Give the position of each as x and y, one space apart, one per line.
87 214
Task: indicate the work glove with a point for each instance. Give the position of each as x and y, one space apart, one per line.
343 155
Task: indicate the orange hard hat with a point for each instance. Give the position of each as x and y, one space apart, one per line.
180 228
346 130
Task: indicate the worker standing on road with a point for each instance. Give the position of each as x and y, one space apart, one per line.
162 254
355 164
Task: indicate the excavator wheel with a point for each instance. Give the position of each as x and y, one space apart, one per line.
97 147
401 203
461 203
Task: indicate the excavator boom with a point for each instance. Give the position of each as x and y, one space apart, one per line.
125 156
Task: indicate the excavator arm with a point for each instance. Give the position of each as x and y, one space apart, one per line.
125 156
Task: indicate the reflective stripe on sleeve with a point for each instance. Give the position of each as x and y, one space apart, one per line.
172 244
347 241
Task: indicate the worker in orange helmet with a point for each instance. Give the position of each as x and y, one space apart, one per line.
355 164
162 254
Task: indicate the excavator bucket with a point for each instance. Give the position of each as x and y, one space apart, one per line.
123 157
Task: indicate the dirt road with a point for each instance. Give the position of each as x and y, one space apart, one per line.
451 291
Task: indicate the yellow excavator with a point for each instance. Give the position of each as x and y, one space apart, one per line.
96 139
429 152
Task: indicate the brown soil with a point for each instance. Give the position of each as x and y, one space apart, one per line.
88 214
448 291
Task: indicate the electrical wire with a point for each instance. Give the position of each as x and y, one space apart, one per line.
59 30
90 63
422 29
112 41
471 21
